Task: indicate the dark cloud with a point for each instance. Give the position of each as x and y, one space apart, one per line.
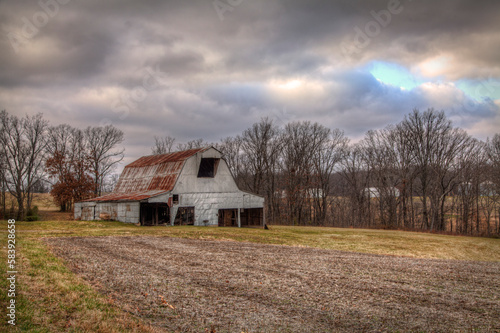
93 62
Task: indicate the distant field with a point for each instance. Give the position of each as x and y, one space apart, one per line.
58 294
43 201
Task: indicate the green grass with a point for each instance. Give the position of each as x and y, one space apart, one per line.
52 298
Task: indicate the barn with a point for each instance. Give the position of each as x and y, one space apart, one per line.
191 187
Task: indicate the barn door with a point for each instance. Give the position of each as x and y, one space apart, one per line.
228 217
154 214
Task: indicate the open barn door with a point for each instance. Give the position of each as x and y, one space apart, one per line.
252 217
228 217
154 214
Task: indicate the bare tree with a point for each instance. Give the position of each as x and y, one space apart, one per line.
330 150
356 175
232 153
260 146
256 145
22 141
493 153
445 170
103 153
426 131
302 142
484 188
110 182
59 153
380 160
163 145
35 128
193 144
398 142
62 139
3 181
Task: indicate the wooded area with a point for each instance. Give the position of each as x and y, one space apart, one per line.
74 164
420 174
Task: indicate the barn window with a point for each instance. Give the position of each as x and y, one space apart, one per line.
175 199
208 167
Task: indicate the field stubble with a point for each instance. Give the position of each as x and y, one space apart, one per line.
226 286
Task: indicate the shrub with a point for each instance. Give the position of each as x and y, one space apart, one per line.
32 214
33 211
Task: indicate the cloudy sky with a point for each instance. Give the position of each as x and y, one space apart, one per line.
210 69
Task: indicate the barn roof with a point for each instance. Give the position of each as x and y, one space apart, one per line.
149 176
133 196
151 160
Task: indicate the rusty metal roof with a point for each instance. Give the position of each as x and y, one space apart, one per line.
134 196
149 176
178 156
155 172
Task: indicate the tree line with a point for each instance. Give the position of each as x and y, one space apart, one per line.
75 164
420 174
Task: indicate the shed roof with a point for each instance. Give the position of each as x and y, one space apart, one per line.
133 196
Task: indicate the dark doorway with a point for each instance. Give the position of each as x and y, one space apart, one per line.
154 214
228 217
184 216
252 217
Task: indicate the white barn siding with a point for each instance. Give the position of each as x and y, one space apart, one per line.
128 212
118 211
207 205
189 182
208 195
78 211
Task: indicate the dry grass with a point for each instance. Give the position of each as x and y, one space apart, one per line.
43 201
398 243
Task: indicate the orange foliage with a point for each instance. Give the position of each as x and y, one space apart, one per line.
73 180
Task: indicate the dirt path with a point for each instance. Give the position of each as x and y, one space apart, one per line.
193 285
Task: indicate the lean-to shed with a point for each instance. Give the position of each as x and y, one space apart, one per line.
191 187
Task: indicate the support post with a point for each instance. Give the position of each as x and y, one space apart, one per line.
263 216
239 218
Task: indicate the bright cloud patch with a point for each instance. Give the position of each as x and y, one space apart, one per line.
393 74
480 90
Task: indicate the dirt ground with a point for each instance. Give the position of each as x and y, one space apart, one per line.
188 285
